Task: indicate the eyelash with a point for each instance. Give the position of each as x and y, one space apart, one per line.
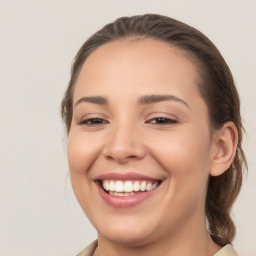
156 121
93 121
162 121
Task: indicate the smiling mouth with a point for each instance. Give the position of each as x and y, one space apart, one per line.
129 187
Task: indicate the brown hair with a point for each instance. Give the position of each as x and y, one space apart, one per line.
216 87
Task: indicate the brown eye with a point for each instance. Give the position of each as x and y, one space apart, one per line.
162 121
93 121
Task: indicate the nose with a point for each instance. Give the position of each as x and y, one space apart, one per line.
124 144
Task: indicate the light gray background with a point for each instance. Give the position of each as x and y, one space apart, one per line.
38 40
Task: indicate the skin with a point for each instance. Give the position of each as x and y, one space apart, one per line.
128 137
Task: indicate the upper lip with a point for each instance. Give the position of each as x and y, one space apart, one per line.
124 176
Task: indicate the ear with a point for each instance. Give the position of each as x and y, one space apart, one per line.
224 149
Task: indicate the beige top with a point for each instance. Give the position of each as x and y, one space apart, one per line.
225 251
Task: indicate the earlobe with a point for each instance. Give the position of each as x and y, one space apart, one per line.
225 144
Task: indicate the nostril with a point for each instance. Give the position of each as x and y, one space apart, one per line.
121 158
123 146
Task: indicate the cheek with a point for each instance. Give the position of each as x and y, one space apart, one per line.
186 149
185 157
82 151
186 160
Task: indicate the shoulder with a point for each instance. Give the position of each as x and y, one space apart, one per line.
227 250
89 250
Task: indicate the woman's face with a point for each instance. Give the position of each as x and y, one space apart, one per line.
139 123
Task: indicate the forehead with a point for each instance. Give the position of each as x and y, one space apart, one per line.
131 63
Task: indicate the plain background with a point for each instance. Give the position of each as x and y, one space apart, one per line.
38 40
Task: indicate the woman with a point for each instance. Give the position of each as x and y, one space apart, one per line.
154 139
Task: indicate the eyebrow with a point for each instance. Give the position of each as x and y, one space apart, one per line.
94 99
144 100
149 99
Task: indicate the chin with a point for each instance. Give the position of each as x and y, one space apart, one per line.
128 238
132 234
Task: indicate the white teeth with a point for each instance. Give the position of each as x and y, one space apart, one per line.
149 186
106 185
143 186
119 186
154 185
124 188
121 194
128 186
111 186
136 186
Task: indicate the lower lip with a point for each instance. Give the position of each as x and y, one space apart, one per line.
125 201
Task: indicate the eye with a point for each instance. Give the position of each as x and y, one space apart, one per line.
162 121
93 121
